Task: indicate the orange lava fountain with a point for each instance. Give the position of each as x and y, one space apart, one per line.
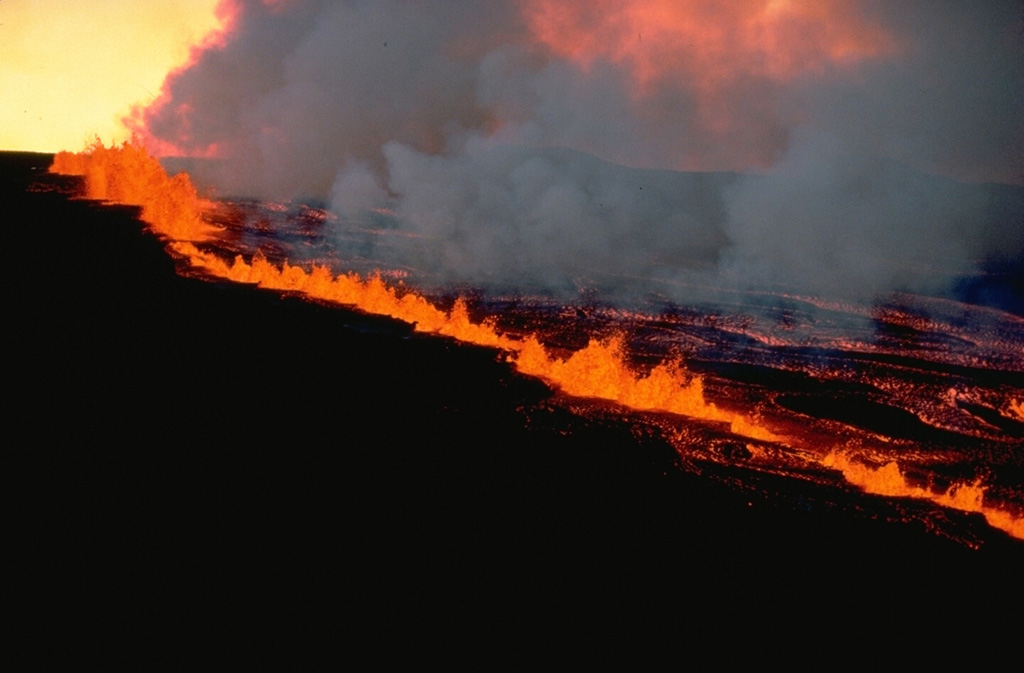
888 480
170 205
127 174
598 370
172 208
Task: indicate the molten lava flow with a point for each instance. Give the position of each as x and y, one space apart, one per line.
370 295
600 370
172 208
128 174
888 480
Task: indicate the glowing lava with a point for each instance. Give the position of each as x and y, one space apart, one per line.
127 174
889 480
171 206
600 370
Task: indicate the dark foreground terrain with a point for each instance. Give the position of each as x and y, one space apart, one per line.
202 460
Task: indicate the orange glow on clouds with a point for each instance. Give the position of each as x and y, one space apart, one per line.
708 41
70 70
717 51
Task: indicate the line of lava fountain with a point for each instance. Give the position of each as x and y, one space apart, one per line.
888 480
127 174
173 209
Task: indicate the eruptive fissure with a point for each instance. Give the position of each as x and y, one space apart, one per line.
173 209
171 206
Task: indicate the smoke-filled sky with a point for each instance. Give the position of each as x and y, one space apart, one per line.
557 138
301 87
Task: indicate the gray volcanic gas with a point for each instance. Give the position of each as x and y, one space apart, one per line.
530 141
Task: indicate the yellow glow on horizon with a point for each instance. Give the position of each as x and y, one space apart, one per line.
70 70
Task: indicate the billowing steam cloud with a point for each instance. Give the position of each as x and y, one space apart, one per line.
826 146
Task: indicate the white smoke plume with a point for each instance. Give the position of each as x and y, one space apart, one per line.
536 142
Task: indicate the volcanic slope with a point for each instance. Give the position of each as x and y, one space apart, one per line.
227 453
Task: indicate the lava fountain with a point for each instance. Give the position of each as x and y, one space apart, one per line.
807 397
